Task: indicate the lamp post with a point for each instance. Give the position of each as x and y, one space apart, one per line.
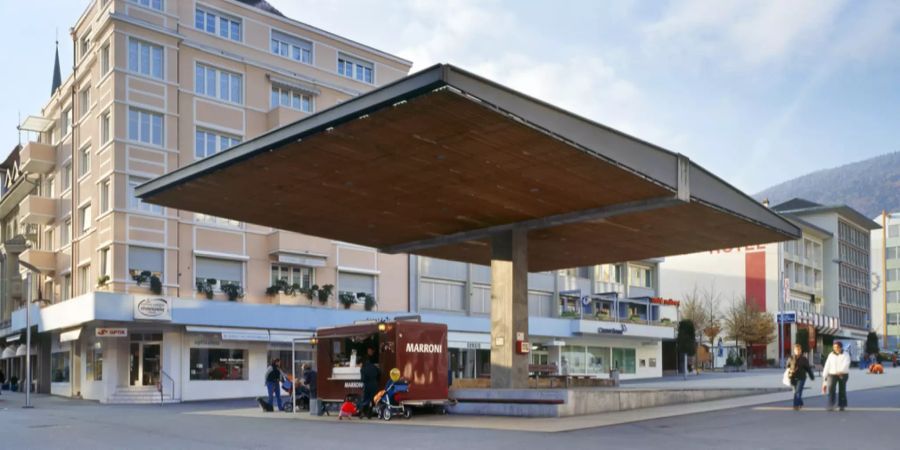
28 404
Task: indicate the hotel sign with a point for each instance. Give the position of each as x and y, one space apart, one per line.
152 308
111 332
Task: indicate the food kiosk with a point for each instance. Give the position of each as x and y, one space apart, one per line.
417 349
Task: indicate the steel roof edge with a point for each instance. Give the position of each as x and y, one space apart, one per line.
843 210
652 162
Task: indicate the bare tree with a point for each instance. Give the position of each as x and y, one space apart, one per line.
747 325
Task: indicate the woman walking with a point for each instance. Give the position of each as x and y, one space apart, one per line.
798 370
835 374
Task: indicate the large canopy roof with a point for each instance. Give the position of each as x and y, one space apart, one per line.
438 162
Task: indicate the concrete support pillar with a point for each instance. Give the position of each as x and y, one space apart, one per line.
509 309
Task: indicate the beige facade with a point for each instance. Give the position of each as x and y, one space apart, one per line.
152 92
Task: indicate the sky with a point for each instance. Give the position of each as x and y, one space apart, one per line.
758 92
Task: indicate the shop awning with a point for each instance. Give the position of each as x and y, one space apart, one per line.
21 350
233 334
8 352
287 337
71 335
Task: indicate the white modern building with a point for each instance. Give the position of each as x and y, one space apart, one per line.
886 280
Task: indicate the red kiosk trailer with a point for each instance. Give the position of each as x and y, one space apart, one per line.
418 350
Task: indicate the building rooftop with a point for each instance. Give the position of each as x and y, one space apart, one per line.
799 207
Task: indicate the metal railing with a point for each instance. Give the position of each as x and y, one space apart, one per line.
159 386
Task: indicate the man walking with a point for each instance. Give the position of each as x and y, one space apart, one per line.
834 374
273 382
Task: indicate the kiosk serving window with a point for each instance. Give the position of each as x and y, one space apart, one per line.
59 367
218 364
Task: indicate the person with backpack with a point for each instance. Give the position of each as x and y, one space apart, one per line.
274 377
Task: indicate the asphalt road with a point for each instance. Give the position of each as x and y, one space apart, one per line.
70 424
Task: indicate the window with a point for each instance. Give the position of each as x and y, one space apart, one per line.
67 176
47 244
85 101
433 294
218 364
66 288
540 304
624 360
84 162
84 279
64 233
136 203
66 121
218 83
104 196
104 59
105 262
84 44
894 231
105 130
215 220
892 252
145 259
291 99
356 283
94 362
291 47
893 275
59 367
640 276
302 276
356 68
217 23
85 215
154 4
145 58
208 143
145 126
221 270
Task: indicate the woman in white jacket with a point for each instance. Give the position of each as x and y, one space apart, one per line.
834 375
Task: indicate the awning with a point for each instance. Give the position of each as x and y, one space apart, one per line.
233 334
36 123
21 350
457 339
8 352
71 335
289 336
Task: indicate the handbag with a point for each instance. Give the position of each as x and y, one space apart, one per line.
786 379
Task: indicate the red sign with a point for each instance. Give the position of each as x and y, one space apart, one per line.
111 332
664 301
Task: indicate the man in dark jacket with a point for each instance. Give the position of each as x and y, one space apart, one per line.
274 377
798 370
370 374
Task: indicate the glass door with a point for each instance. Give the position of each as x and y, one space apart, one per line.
144 363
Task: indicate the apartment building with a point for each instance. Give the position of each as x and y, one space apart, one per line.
586 320
130 295
818 282
886 280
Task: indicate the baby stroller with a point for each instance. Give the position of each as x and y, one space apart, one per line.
302 396
386 401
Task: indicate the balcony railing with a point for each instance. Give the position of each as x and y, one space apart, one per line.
37 210
37 157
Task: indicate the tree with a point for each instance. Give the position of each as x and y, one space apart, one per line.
872 347
702 308
802 338
686 341
746 324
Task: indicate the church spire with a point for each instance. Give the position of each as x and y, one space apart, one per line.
57 77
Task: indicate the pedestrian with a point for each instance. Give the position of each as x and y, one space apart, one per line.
798 370
274 377
370 374
835 374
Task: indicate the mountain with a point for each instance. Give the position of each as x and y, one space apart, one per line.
869 186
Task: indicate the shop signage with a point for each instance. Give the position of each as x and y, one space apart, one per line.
620 330
353 385
787 317
423 348
111 332
152 308
664 301
262 336
13 338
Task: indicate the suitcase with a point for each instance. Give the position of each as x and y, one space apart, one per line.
265 405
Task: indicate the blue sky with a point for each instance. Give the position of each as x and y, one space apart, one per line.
756 91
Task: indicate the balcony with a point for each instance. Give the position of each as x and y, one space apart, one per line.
42 260
281 116
37 210
36 157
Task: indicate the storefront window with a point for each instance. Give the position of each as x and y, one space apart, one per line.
598 360
624 359
218 364
94 365
283 352
59 367
572 360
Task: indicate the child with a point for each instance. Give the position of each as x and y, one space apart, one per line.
348 408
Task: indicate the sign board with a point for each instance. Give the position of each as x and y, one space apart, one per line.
71 335
242 335
788 317
152 308
621 329
111 332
